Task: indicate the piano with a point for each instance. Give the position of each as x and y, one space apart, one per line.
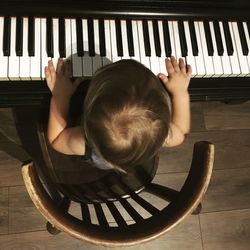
212 36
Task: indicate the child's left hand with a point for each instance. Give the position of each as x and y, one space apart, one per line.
58 81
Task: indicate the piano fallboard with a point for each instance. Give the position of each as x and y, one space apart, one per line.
206 89
212 9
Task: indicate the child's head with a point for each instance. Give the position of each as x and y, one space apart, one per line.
126 114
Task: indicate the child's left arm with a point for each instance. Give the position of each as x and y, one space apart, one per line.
63 139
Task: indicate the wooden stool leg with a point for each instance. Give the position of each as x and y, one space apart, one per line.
52 229
197 210
64 205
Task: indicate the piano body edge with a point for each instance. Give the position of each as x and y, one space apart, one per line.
35 93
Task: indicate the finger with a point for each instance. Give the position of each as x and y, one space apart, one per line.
59 67
175 64
51 66
163 77
189 70
47 74
182 65
51 70
169 66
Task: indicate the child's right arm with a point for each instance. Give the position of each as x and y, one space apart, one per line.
64 139
177 84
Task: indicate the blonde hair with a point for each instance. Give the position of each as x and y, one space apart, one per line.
126 114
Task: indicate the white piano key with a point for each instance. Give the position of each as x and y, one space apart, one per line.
172 40
207 59
115 56
190 58
201 70
68 44
87 60
68 41
248 42
44 56
3 59
226 62
242 59
234 58
97 60
124 40
14 65
163 68
144 59
55 22
154 60
108 59
177 40
218 70
136 42
25 59
76 60
36 60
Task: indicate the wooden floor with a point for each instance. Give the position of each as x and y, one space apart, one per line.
225 219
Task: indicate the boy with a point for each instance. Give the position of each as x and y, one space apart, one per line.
126 116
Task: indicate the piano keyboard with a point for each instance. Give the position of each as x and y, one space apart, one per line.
212 48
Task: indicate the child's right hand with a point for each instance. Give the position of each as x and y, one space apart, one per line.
179 76
58 80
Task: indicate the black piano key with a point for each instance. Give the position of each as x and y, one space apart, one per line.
118 37
156 38
31 37
167 44
193 38
91 38
248 27
210 47
19 36
146 38
49 37
79 37
218 38
102 37
131 50
228 38
183 41
243 40
6 36
62 41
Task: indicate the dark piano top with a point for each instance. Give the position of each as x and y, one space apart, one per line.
212 9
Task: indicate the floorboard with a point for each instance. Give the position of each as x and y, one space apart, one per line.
223 224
